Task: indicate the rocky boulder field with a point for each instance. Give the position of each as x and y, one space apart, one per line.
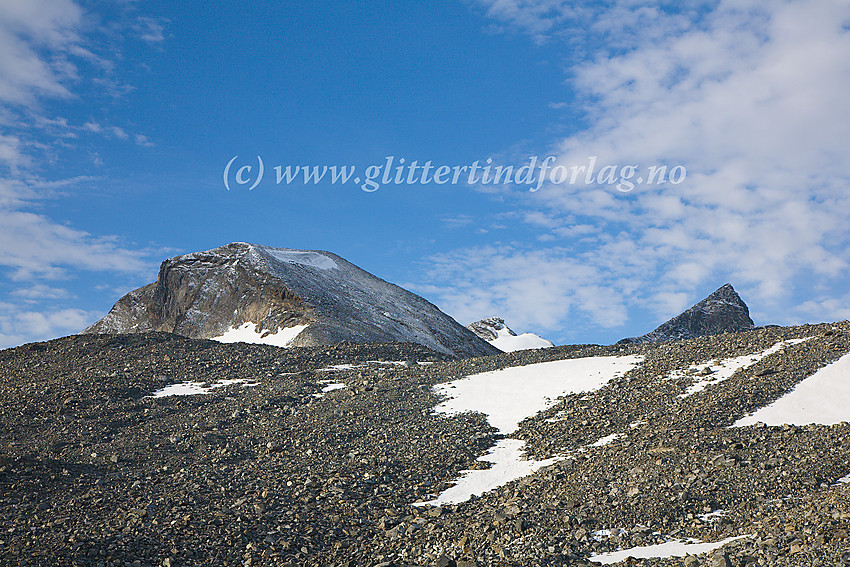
315 456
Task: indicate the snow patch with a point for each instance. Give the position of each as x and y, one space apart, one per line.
507 397
247 333
337 367
506 341
712 515
303 258
603 534
330 387
672 548
512 394
607 440
195 388
822 398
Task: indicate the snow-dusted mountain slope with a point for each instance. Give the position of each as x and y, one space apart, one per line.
721 312
216 293
494 331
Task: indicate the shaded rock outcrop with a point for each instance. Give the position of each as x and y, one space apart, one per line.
206 294
721 312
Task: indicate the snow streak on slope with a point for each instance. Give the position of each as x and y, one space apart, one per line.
303 258
672 548
607 440
247 333
719 371
507 465
510 395
195 388
823 397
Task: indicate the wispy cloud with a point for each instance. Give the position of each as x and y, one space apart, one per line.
150 30
751 98
533 289
40 292
27 27
142 140
36 247
44 56
43 46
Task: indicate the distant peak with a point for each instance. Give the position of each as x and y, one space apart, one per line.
489 327
721 312
494 331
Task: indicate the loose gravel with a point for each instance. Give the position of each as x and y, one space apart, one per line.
95 471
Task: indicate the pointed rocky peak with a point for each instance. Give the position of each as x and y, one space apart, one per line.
721 312
494 331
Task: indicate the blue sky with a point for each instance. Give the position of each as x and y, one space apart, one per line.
117 120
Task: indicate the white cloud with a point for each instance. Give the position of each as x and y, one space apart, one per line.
40 292
622 23
536 17
754 106
150 30
36 247
26 26
11 153
532 289
18 325
824 309
43 44
751 98
144 141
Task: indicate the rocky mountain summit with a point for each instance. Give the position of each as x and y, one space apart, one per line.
494 331
721 312
299 297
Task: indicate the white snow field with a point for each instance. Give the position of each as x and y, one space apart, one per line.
672 548
247 334
195 388
822 398
507 397
507 342
724 369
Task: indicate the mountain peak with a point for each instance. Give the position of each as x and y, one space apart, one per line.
721 312
285 297
497 333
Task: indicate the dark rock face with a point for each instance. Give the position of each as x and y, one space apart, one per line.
488 328
202 295
721 312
